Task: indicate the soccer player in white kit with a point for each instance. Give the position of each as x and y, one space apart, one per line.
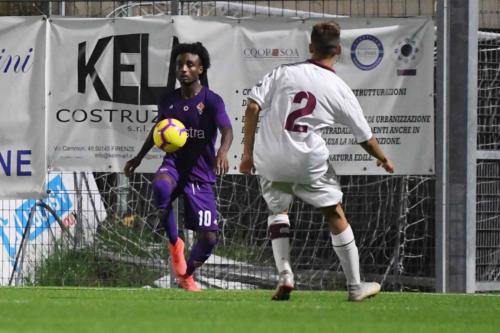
296 102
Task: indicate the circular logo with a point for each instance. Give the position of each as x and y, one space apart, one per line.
367 52
407 52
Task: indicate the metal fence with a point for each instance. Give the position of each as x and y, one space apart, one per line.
377 8
488 165
488 16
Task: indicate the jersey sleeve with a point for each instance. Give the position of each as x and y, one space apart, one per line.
221 117
351 115
262 92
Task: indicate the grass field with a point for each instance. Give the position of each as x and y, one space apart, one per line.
168 310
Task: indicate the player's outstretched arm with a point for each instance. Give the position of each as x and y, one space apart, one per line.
221 161
373 148
251 119
133 163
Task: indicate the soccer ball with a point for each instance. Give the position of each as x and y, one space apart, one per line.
169 135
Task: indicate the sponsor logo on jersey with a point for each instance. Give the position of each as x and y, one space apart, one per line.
367 52
195 133
200 107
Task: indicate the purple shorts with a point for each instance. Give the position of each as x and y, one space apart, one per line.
200 208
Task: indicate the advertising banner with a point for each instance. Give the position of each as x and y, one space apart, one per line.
45 233
105 77
22 111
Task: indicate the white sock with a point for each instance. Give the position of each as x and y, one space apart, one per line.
345 248
281 252
280 241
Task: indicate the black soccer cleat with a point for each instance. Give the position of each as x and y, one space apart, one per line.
282 293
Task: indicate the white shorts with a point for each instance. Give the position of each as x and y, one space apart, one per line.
324 192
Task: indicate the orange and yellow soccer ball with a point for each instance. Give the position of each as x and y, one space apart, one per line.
169 135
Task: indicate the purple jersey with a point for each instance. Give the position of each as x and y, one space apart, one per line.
202 115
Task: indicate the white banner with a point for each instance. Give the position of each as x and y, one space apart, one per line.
22 109
105 76
45 233
389 65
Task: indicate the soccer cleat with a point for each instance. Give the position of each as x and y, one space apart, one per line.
285 287
187 282
357 293
178 260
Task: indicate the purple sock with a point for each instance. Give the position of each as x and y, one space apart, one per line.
201 250
170 226
162 191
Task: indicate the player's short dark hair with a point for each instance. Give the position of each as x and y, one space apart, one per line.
193 48
325 37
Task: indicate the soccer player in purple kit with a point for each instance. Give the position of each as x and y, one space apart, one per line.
190 170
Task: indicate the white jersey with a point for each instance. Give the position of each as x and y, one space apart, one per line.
297 102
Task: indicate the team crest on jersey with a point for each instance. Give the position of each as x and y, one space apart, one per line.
200 107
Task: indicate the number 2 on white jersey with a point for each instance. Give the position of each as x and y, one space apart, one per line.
302 112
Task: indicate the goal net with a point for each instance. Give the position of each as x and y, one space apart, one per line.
392 217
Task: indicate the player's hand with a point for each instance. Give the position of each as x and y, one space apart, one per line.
221 163
131 165
387 165
246 165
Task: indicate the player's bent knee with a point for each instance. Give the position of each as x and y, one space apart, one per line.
162 191
278 226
